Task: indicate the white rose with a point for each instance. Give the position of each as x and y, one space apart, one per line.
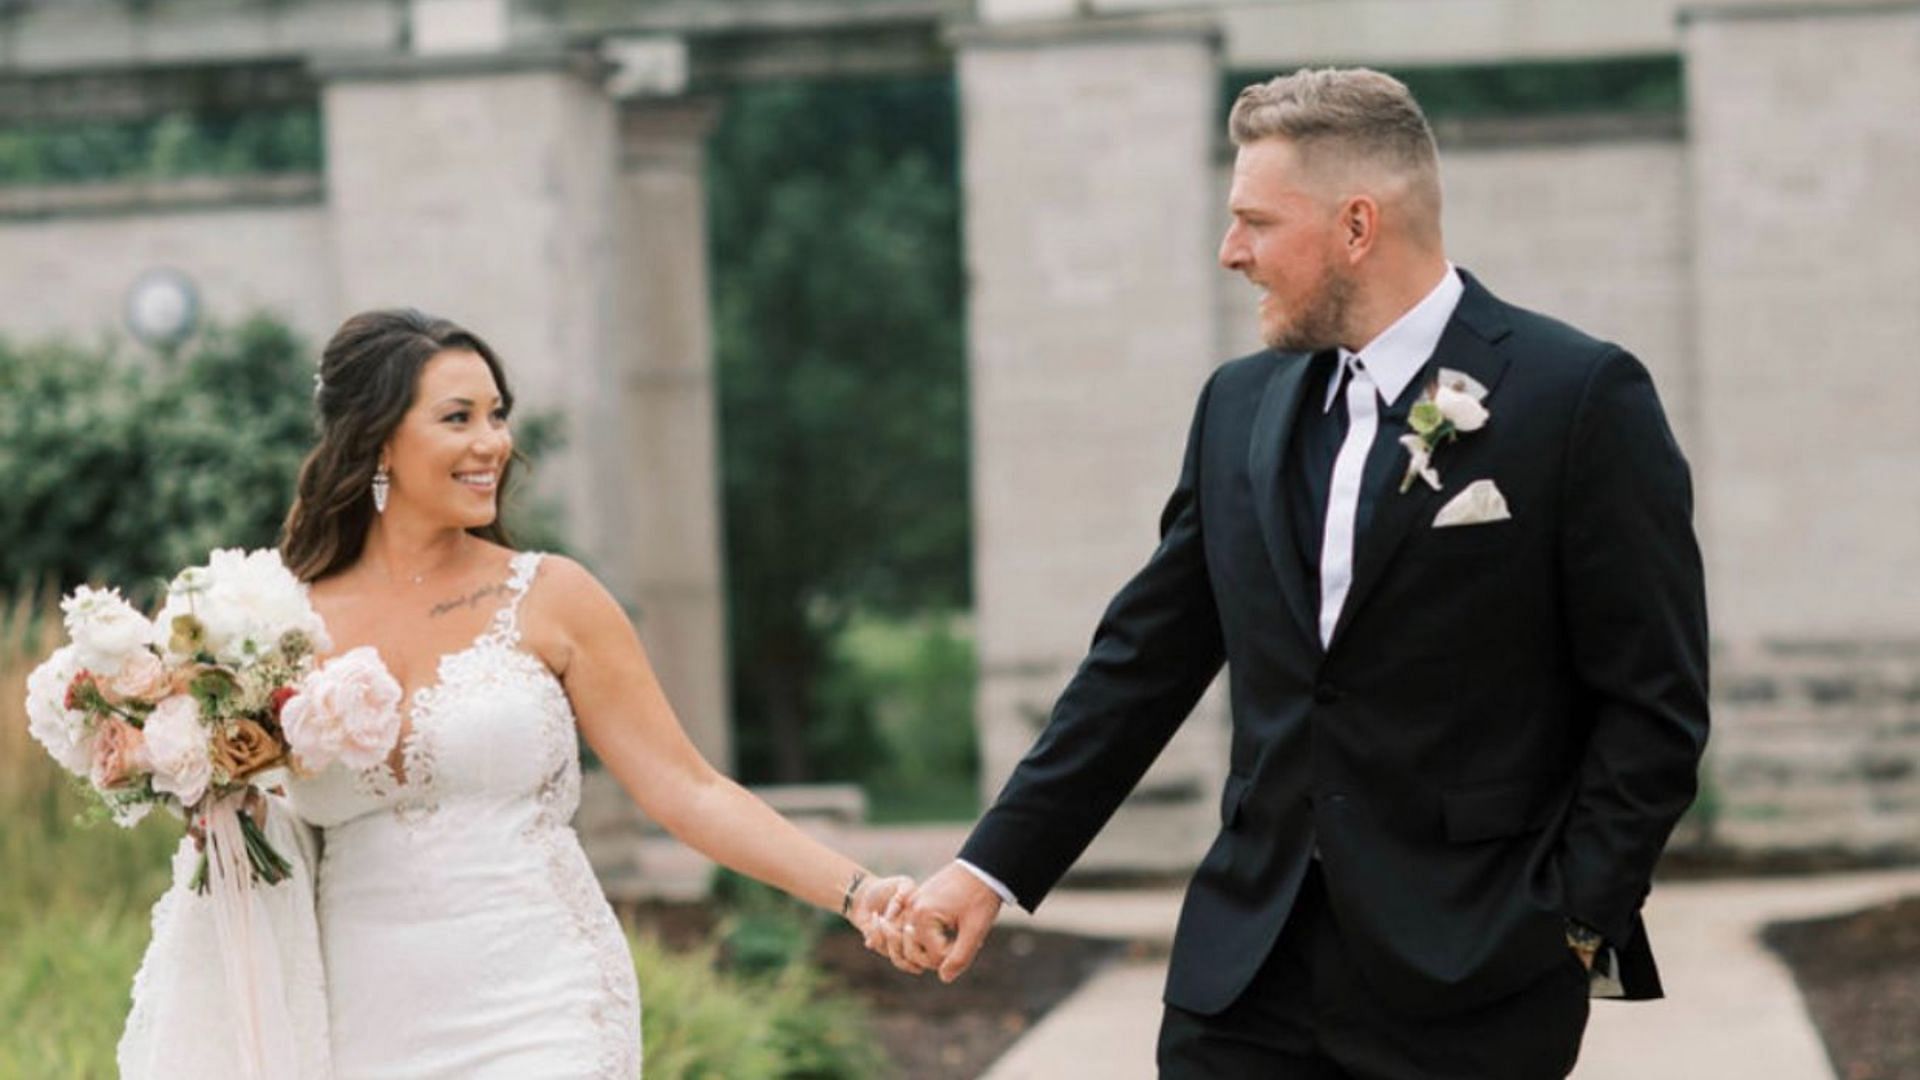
347 711
63 731
106 630
177 749
1460 407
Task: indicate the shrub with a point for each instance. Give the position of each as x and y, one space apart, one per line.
702 1023
899 701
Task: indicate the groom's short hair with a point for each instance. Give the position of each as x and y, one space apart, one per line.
1354 115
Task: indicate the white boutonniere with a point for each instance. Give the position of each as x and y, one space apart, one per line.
1448 409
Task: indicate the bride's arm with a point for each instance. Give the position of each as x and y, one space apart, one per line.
583 634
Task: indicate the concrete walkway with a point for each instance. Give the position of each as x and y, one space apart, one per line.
1732 1010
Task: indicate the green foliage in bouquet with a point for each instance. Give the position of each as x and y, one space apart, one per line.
122 470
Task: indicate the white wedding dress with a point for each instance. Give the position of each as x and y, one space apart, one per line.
180 1025
463 932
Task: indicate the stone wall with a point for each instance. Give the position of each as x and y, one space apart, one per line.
1817 747
1589 228
1806 241
66 268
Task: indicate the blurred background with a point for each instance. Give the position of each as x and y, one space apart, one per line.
857 340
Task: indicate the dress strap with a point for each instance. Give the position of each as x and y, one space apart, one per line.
506 621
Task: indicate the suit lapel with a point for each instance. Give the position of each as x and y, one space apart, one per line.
1266 453
1468 345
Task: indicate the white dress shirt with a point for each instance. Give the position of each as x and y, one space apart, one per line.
1383 368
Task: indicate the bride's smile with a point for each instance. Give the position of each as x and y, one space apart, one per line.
448 455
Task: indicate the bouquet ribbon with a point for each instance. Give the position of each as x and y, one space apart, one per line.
256 989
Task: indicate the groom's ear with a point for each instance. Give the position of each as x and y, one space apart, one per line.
1359 225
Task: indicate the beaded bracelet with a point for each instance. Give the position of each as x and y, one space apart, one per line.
846 902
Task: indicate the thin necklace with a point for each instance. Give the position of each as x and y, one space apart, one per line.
421 577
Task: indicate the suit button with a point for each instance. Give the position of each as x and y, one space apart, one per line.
1326 693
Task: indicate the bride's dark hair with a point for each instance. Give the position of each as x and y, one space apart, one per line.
367 376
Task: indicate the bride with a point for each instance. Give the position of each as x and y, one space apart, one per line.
461 931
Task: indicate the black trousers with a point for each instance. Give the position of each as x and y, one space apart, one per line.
1309 1016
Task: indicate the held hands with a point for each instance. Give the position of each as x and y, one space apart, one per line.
941 924
867 906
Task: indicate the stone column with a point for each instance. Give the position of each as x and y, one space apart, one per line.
1089 243
1805 159
662 342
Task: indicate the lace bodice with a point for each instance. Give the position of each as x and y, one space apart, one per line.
493 724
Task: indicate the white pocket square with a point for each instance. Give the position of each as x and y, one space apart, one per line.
1462 382
1477 504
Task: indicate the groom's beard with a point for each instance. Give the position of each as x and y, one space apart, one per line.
1321 322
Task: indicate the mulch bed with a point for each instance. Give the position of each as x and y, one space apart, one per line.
930 1029
1700 863
1860 975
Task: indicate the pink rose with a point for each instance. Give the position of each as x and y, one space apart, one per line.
143 678
119 754
347 711
177 749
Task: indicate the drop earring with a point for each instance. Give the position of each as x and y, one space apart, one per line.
380 484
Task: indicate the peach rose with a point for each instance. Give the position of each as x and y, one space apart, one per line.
119 754
142 678
347 711
243 748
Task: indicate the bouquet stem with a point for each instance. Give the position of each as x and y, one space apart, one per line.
268 865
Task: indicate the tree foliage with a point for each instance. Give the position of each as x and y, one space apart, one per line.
170 145
125 471
838 302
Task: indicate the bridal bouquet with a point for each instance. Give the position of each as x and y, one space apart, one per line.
196 710
197 707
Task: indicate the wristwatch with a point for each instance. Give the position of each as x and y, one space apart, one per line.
1585 940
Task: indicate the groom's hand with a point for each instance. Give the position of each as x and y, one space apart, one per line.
946 922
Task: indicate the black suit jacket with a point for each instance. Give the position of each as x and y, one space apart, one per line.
1503 730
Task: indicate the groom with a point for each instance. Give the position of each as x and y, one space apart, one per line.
1443 546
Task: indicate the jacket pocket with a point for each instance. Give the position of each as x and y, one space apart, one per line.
1491 811
1481 538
